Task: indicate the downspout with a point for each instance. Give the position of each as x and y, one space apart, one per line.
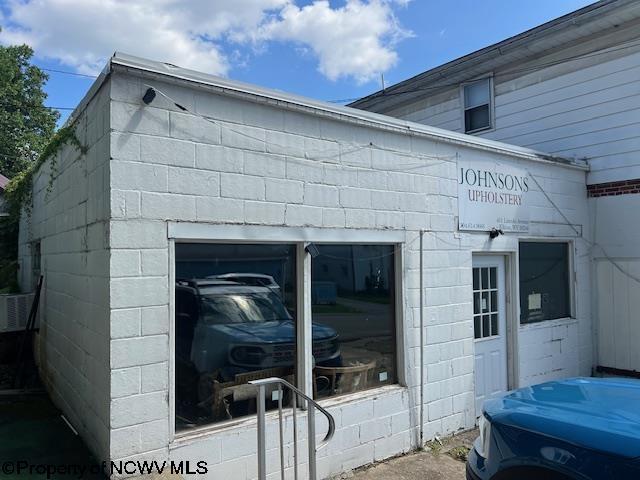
421 339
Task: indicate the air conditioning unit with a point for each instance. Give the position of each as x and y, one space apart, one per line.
14 311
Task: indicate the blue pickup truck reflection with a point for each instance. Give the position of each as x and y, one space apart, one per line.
228 327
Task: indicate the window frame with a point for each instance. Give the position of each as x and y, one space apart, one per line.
491 104
572 281
178 232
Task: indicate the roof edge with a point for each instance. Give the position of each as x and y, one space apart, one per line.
510 43
341 113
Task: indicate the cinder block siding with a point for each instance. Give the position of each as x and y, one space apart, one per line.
70 218
260 164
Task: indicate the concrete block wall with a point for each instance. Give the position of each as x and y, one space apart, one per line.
256 163
70 219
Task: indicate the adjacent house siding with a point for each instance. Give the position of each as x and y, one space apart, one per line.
259 164
561 103
70 220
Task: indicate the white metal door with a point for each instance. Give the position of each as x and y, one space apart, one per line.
489 327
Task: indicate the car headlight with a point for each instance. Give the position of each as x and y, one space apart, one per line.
481 444
247 355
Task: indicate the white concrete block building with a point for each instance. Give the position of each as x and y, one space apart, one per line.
217 232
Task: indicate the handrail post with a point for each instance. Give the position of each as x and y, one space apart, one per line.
311 405
262 446
311 440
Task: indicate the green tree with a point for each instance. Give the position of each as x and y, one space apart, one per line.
26 127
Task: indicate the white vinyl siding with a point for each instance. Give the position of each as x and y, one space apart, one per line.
589 108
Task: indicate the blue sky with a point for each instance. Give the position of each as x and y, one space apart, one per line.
292 46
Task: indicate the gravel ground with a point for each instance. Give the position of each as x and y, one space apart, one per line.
442 460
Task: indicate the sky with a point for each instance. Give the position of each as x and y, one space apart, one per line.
329 50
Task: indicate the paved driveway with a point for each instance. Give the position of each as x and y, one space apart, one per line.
439 461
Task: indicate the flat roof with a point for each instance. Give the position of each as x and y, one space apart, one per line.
131 64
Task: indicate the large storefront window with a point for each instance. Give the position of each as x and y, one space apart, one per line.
544 281
353 310
234 322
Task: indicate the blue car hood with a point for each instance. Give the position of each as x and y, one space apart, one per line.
271 332
595 413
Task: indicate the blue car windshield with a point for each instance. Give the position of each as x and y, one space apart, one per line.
242 308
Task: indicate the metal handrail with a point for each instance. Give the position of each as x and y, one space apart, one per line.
311 427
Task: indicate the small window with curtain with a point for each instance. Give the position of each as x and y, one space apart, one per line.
544 281
477 105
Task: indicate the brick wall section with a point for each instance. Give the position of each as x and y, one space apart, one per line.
623 187
259 164
71 220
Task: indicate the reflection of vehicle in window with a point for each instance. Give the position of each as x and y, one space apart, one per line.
255 279
227 328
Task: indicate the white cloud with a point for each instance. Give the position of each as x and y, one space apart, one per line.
356 40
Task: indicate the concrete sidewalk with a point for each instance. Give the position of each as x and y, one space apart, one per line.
442 460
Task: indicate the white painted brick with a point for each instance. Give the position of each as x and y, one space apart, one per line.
125 323
125 382
127 117
219 159
125 441
356 218
154 377
167 151
240 186
192 127
189 181
355 198
298 169
263 165
264 213
130 352
333 217
284 191
154 320
139 176
138 291
168 207
125 146
300 215
154 262
243 137
321 195
135 409
138 233
125 263
219 210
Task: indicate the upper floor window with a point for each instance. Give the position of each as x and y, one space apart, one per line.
477 105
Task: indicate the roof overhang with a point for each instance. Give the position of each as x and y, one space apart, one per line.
585 22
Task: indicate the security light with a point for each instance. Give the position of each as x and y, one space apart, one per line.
149 95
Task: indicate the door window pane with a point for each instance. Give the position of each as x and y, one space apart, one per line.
544 281
353 306
485 302
234 322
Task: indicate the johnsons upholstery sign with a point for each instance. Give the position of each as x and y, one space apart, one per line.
492 195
